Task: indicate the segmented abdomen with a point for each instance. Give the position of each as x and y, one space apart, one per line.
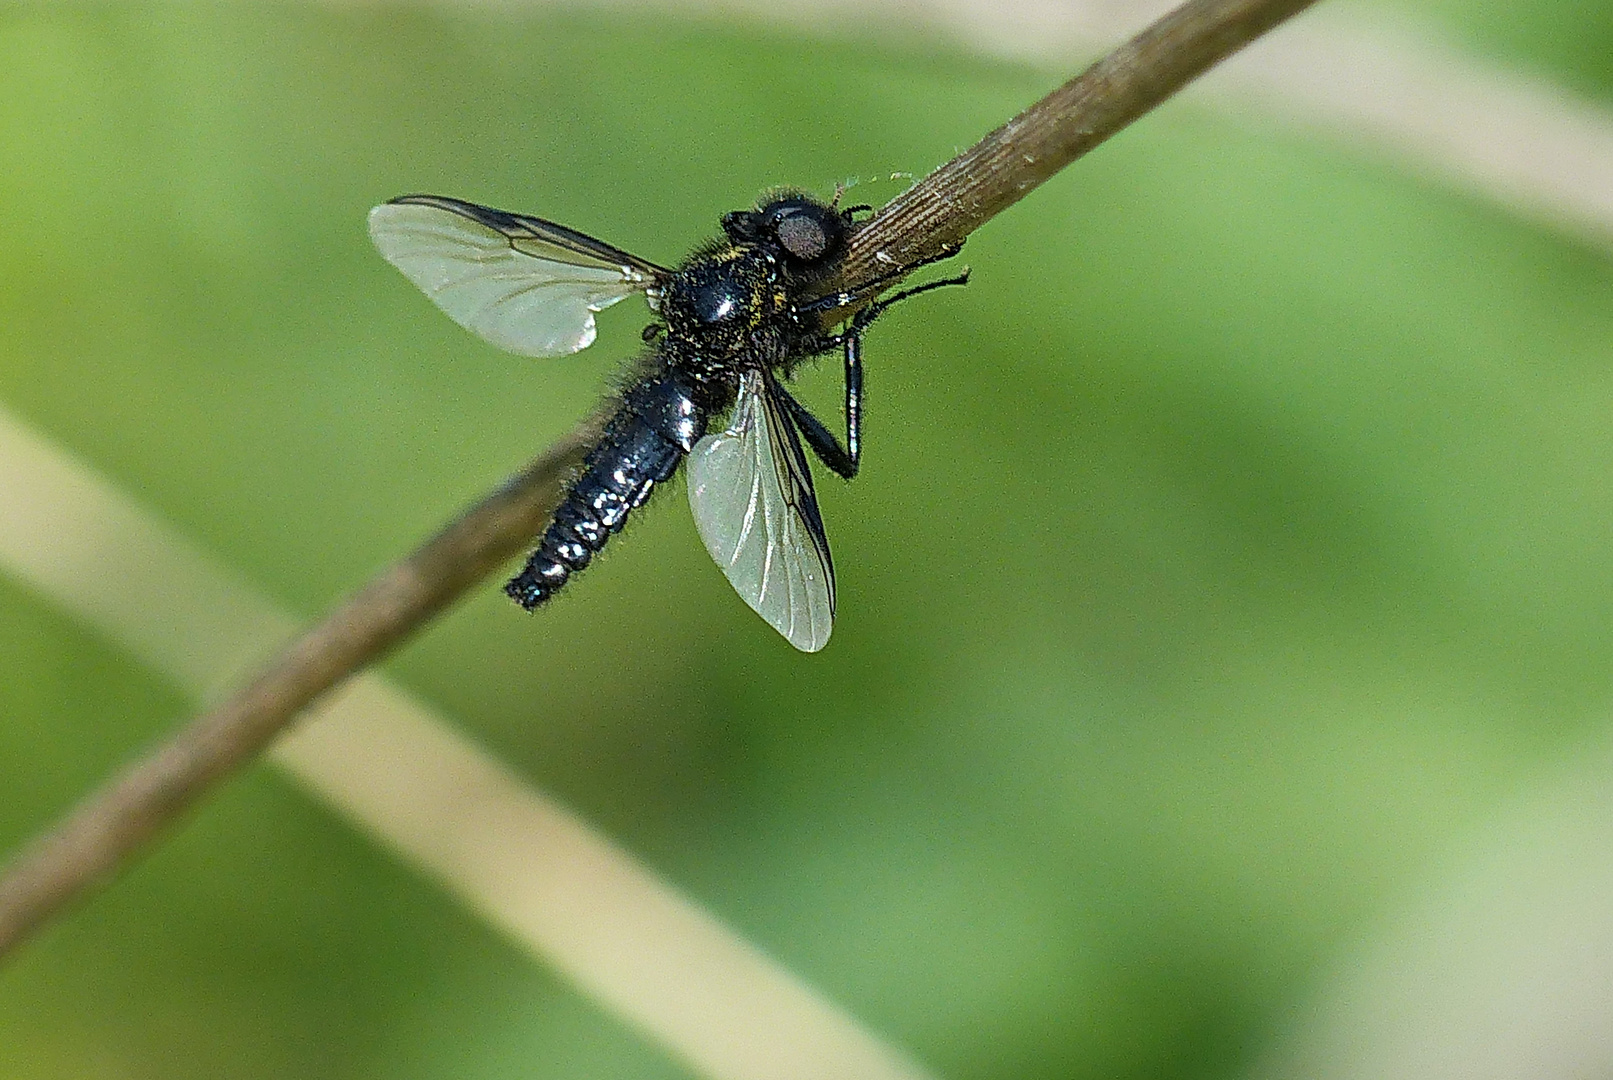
657 424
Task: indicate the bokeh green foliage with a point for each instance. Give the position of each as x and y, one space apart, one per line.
1226 549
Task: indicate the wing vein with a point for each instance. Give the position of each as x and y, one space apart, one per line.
753 503
524 284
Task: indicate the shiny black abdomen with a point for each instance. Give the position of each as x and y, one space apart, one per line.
658 423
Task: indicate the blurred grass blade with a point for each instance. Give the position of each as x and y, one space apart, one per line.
1500 966
545 878
1517 140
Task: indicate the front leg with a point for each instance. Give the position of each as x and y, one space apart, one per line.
846 460
852 342
854 398
819 437
872 287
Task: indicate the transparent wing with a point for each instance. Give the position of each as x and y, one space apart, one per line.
524 284
753 503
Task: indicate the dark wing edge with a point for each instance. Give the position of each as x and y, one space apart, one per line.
795 477
520 228
751 495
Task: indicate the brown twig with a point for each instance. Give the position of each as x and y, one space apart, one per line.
116 821
1005 166
105 832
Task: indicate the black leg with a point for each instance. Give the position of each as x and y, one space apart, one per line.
822 441
862 292
860 321
840 190
854 401
845 297
846 460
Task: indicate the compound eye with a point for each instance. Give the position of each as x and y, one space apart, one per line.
802 236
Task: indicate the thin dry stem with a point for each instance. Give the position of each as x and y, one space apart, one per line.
108 829
100 836
1005 166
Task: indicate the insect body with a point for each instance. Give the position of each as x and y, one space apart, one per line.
736 318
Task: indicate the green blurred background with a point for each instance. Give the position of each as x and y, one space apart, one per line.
1234 544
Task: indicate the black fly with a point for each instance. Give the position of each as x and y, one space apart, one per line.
736 319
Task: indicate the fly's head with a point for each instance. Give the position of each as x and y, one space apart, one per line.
806 238
738 295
